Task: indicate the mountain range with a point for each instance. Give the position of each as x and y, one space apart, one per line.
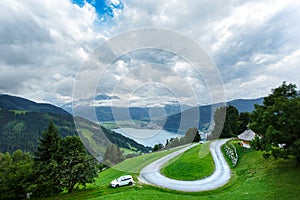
202 116
100 109
9 102
171 117
22 122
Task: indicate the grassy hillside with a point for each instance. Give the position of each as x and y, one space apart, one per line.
253 178
22 122
21 130
96 138
194 164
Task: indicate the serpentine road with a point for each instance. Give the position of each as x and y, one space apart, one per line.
151 173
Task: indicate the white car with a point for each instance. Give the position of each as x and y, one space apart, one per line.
123 180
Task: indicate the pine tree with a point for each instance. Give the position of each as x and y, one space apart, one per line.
226 123
48 144
113 154
47 163
192 135
61 163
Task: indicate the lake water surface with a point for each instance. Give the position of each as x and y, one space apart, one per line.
147 137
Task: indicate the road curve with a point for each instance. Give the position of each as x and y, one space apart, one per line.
151 173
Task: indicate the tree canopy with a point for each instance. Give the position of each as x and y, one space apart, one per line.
234 124
113 154
77 166
278 122
16 175
61 163
192 135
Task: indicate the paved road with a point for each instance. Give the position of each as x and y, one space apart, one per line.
151 173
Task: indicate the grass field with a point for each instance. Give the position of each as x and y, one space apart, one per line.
190 165
253 178
19 111
124 124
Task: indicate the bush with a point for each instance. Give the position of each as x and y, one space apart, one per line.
231 153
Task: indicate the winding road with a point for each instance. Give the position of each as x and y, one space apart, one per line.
151 173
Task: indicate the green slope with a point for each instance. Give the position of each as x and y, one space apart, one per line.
96 138
194 164
21 130
253 178
22 122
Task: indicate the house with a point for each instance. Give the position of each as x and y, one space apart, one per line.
246 137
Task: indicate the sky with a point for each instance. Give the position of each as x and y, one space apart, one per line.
253 47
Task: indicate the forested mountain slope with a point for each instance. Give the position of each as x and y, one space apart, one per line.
22 123
9 102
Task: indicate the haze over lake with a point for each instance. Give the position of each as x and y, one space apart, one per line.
147 137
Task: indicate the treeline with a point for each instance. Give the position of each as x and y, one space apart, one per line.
173 122
191 135
20 130
114 155
124 142
228 122
276 123
58 164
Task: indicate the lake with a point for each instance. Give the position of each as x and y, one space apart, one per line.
147 137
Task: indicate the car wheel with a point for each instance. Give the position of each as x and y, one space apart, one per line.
130 183
117 186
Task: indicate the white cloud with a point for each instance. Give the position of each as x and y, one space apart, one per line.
44 39
243 37
255 45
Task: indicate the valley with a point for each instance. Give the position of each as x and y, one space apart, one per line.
22 123
256 174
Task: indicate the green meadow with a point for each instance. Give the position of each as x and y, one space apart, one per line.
254 177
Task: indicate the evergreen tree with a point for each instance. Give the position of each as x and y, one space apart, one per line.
244 121
113 154
47 159
157 147
229 127
167 143
219 119
192 135
61 163
48 144
174 142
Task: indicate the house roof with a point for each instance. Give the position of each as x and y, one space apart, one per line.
247 135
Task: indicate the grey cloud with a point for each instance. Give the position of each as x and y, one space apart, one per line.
12 79
40 39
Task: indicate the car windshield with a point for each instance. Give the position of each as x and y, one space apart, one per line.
119 179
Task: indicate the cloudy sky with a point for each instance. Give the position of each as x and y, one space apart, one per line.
255 46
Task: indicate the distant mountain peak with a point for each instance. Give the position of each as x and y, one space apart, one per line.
106 97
